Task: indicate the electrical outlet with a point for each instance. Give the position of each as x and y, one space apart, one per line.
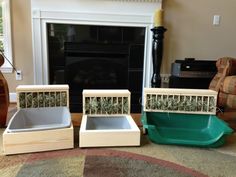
19 75
165 78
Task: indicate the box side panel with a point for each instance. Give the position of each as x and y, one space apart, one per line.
103 138
24 142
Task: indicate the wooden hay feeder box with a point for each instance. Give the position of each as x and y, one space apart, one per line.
188 101
42 121
184 117
106 119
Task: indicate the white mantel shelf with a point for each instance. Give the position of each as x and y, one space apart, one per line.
138 0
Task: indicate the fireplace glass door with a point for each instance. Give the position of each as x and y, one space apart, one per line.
96 57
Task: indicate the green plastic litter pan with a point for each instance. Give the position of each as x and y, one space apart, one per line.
185 129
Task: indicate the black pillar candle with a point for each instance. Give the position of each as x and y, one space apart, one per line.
157 52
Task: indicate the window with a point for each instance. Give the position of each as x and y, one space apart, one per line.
5 35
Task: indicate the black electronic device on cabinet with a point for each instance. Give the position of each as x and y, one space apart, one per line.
192 73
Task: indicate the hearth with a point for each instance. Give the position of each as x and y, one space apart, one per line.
96 57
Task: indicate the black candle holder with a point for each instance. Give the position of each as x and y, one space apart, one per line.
157 52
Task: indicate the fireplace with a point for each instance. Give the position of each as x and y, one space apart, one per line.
97 44
96 57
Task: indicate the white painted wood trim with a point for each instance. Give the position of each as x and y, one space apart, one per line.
92 93
7 39
96 17
138 0
6 69
41 18
180 91
38 88
37 48
12 97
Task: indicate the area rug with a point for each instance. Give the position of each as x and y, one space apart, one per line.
101 162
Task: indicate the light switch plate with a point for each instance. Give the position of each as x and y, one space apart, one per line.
216 20
19 75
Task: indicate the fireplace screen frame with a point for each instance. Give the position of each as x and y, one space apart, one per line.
40 19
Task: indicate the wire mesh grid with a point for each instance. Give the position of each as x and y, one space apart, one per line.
180 101
33 97
102 104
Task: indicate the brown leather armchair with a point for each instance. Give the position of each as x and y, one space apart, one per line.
225 83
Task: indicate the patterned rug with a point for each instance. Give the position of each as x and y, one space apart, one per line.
102 162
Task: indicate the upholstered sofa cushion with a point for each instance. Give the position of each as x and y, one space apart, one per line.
225 83
229 85
217 81
226 100
226 66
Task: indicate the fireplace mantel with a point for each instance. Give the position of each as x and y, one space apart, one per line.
138 0
93 12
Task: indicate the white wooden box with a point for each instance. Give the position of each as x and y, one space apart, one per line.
40 139
36 141
190 101
103 131
107 126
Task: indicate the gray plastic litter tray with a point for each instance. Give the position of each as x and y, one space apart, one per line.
34 119
104 123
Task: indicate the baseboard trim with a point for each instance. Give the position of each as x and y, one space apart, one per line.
12 97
